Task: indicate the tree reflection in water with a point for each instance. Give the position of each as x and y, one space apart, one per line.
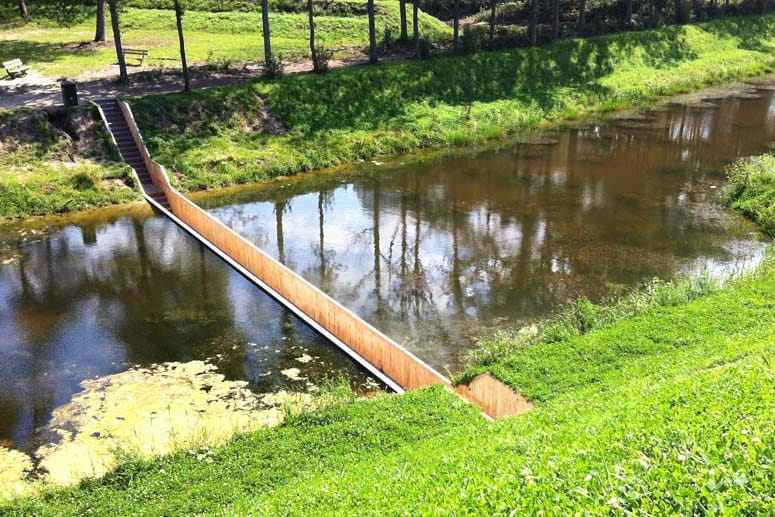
441 253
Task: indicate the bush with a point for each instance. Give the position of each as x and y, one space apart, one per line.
474 38
751 189
388 40
275 67
320 60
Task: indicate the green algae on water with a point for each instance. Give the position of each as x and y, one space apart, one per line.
143 412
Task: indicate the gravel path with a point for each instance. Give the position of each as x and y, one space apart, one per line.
37 91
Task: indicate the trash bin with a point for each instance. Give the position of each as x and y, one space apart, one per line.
69 93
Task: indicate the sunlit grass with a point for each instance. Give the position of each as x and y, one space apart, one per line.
362 112
667 412
43 172
751 189
211 38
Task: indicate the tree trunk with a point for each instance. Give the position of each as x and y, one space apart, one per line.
23 12
416 28
534 24
628 12
456 27
402 10
265 29
493 3
556 20
99 33
313 52
123 76
582 17
179 20
372 33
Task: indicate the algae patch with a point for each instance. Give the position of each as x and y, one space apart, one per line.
15 466
293 374
145 412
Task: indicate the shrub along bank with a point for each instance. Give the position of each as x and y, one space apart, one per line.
664 407
308 121
751 190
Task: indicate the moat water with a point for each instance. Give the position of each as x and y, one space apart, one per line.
436 250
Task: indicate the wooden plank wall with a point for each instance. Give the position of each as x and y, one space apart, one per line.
495 398
396 362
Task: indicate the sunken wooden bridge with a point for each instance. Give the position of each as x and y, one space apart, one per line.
398 368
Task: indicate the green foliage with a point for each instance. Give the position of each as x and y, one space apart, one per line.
320 59
361 112
675 429
44 170
212 38
751 189
274 67
338 8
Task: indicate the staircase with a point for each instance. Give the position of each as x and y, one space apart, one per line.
130 152
398 368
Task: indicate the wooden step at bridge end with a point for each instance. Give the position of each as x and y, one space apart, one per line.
495 399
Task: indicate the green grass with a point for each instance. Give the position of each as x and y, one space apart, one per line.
362 112
219 39
43 170
660 403
751 190
670 411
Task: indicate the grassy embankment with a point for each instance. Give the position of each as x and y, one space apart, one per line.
662 403
227 136
215 138
58 162
219 39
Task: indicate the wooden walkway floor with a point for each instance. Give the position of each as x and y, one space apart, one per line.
398 368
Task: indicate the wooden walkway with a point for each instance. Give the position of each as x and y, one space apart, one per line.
387 360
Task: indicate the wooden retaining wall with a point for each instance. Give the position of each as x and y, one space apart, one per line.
404 369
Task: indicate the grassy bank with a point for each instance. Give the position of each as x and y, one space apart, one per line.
305 122
219 39
682 426
58 161
659 404
751 190
264 129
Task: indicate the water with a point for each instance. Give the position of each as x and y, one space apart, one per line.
436 253
439 253
96 298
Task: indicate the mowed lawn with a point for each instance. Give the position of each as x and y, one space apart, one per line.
218 39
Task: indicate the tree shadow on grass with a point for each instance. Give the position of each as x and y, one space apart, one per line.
754 32
378 98
370 98
32 52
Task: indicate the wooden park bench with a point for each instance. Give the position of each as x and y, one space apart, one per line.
138 53
14 68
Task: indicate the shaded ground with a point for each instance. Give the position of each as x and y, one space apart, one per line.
35 90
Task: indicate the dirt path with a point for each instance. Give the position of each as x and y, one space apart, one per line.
36 91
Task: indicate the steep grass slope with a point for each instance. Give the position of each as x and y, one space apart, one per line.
219 137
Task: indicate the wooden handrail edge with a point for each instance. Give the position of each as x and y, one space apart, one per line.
167 187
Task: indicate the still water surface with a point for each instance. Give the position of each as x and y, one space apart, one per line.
439 253
436 253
